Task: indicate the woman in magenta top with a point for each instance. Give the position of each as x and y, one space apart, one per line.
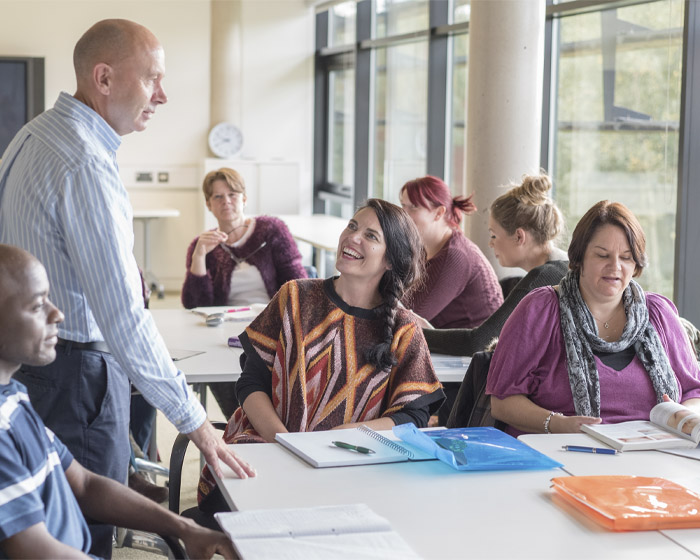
461 289
596 348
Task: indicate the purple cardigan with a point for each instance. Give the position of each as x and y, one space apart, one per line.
278 262
461 289
530 360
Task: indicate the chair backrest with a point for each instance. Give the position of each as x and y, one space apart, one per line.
507 284
472 407
177 458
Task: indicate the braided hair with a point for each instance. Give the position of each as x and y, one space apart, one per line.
405 256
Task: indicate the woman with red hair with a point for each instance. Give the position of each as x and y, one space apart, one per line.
461 289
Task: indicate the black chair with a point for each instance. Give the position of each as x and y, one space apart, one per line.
472 407
177 458
507 284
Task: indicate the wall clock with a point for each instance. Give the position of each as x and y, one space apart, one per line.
225 140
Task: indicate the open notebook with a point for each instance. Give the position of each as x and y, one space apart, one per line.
345 532
318 449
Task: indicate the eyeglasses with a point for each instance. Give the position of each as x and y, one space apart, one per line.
239 260
219 198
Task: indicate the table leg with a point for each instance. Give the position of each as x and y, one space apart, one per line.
148 273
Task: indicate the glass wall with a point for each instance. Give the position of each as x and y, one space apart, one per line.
341 149
341 24
400 117
396 17
617 113
457 142
460 11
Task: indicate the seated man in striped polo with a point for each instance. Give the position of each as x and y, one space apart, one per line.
42 488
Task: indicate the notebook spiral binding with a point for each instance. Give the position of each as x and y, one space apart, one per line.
386 441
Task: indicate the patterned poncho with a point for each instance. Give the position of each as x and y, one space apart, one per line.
308 347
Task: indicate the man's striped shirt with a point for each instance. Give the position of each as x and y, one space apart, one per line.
62 200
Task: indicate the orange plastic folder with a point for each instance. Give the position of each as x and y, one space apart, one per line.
631 503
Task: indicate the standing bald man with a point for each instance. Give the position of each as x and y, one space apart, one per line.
62 200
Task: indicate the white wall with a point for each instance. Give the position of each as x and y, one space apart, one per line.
275 89
50 28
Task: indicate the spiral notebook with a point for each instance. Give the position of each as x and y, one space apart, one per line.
317 448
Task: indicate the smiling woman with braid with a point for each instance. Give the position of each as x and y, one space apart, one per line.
340 352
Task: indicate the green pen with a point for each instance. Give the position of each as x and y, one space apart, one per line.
351 447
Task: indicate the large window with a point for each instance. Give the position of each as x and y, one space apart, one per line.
457 142
391 104
401 107
396 17
391 85
618 93
342 126
342 24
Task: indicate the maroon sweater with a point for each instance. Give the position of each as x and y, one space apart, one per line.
278 262
461 289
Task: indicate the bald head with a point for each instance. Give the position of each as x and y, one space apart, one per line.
29 321
14 265
119 67
110 41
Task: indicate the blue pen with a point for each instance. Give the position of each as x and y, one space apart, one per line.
582 449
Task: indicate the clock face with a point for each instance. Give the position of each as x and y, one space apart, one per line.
225 140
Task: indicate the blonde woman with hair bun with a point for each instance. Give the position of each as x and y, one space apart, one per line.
524 223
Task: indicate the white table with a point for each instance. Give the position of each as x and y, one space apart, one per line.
183 330
637 463
146 216
320 231
443 513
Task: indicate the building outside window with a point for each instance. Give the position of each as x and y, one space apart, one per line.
400 117
617 113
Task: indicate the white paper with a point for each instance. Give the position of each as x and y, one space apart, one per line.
324 532
445 361
243 315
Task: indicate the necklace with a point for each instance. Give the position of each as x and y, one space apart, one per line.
244 225
606 324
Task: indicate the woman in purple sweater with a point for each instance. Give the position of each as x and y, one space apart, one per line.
244 260
596 348
461 289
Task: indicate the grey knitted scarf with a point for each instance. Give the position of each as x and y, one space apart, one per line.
581 339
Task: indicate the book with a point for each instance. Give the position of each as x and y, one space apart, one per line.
670 425
325 532
318 449
631 503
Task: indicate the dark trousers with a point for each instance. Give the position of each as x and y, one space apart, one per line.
141 421
83 397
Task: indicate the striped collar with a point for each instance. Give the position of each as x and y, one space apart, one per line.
70 107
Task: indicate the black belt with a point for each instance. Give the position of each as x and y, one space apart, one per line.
98 346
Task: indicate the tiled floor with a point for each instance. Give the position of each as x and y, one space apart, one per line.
166 434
